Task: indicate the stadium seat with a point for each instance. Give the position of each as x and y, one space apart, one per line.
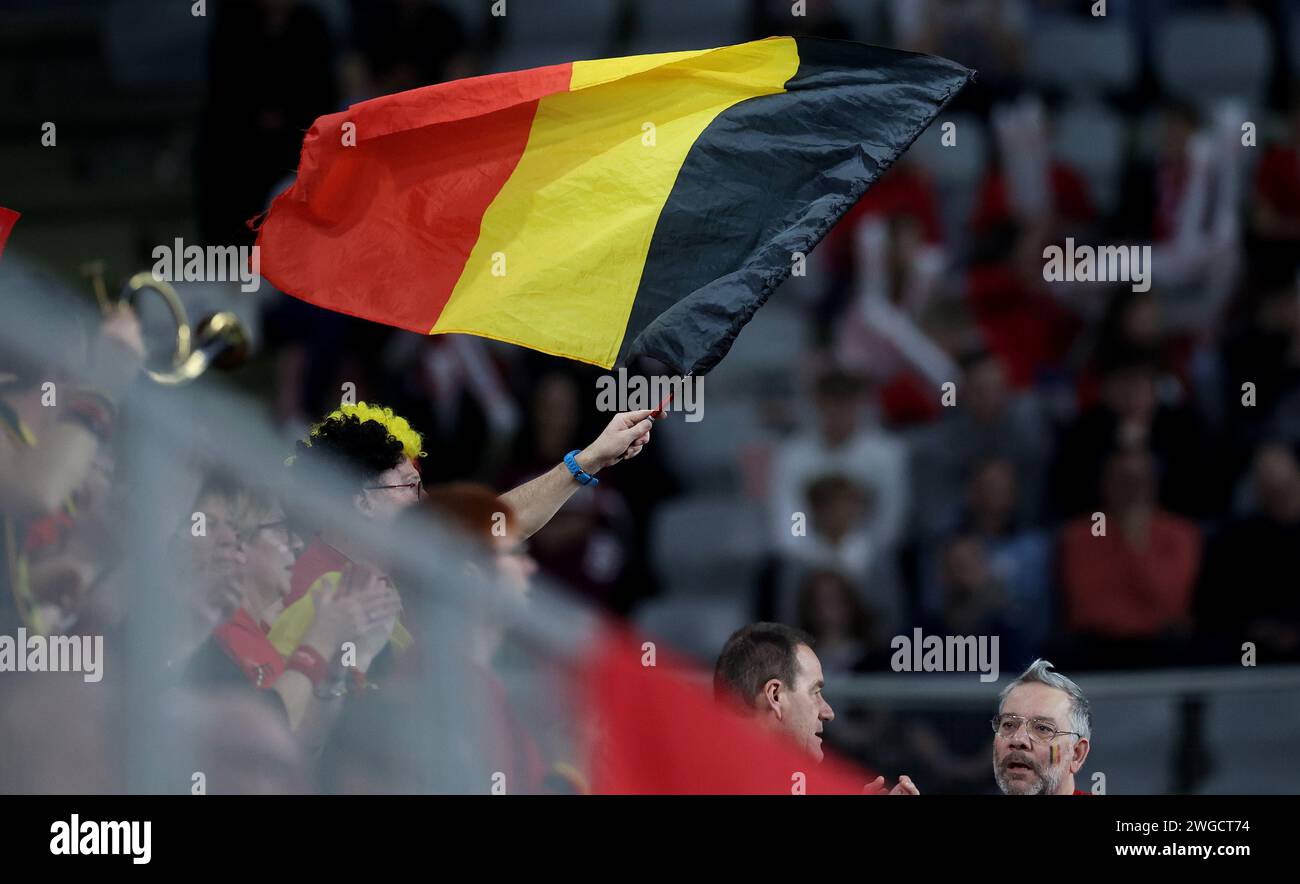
766 354
1083 57
673 25
1092 140
706 453
1204 57
697 627
707 545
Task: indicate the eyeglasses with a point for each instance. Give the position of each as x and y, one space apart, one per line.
417 485
1040 729
282 525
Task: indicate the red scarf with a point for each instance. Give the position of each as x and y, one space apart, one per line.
244 641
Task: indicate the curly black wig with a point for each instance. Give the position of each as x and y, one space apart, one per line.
367 439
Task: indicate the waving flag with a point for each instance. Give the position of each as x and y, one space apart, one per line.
597 209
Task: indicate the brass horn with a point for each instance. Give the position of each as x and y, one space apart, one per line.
219 339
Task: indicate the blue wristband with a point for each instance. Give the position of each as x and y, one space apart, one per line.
581 475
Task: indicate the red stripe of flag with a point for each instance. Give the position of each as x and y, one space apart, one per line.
406 171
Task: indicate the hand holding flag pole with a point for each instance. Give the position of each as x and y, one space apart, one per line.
641 441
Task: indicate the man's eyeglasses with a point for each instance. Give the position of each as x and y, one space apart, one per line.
1040 729
417 485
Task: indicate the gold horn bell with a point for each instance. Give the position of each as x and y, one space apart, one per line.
220 339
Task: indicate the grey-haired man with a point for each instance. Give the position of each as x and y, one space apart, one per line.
1041 734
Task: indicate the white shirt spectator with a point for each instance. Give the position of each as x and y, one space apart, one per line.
873 458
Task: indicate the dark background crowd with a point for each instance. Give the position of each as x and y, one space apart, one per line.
920 430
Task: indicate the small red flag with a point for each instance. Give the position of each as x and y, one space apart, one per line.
8 218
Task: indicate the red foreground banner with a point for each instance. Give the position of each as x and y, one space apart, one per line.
662 733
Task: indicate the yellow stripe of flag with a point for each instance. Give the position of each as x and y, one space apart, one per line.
562 247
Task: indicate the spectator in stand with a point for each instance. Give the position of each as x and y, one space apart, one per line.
588 547
988 421
1275 204
499 569
1130 414
1186 201
839 525
859 519
1027 200
988 35
477 516
843 535
1248 590
841 443
832 612
974 599
1156 185
210 568
1018 558
904 200
74 555
1126 594
240 570
1133 326
1056 718
48 446
1265 352
903 194
884 263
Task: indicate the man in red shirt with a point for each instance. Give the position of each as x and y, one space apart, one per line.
1041 734
1135 581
